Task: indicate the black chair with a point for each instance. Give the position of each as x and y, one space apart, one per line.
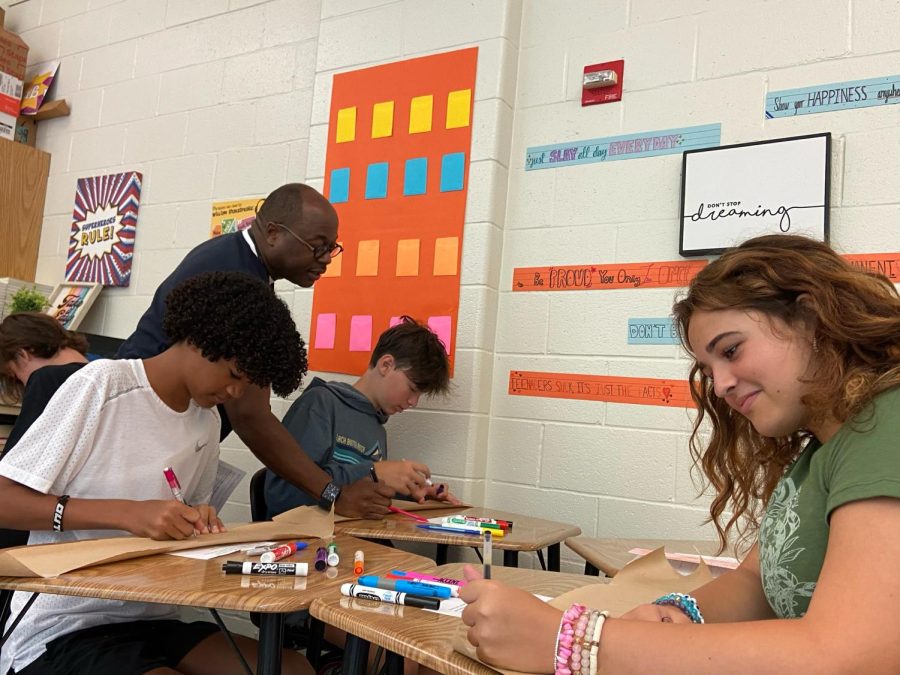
258 510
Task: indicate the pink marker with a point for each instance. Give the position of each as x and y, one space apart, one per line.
394 509
453 584
172 480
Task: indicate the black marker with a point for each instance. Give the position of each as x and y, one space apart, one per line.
278 569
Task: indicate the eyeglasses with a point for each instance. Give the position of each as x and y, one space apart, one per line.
320 251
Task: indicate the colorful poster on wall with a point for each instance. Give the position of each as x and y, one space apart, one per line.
233 216
101 244
607 276
835 96
656 331
887 264
608 388
397 172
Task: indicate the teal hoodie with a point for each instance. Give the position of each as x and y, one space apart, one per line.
341 431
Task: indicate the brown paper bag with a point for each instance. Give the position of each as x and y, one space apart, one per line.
429 505
639 582
50 560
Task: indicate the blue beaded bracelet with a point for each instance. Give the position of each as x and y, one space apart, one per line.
684 602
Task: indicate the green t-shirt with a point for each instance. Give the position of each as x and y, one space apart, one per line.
861 461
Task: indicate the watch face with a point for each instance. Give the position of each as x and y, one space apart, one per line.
331 492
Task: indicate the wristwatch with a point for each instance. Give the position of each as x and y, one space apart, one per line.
329 496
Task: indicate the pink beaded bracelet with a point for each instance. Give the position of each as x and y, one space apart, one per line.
565 639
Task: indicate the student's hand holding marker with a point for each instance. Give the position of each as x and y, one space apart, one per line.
365 499
405 477
440 492
509 627
170 519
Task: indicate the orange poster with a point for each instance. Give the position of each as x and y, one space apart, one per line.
604 276
887 264
638 390
397 172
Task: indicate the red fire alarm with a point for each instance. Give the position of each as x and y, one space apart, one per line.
602 83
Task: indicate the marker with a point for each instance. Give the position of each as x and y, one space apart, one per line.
504 524
258 550
459 520
279 569
332 558
471 528
428 482
441 488
282 551
394 509
486 555
452 530
174 485
453 584
419 588
359 562
321 559
374 475
393 597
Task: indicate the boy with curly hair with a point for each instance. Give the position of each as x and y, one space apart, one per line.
92 466
341 426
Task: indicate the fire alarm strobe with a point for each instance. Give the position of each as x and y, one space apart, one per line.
602 83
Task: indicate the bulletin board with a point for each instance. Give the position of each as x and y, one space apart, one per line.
396 170
736 192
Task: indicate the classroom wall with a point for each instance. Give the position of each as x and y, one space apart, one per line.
220 99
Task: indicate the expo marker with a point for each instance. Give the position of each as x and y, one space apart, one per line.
332 558
453 584
357 591
420 588
282 551
279 569
321 559
359 561
174 485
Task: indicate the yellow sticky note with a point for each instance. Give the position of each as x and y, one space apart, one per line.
367 258
458 105
383 119
420 114
446 253
334 267
408 258
346 125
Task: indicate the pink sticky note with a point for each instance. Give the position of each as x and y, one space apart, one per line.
441 326
394 321
361 333
325 324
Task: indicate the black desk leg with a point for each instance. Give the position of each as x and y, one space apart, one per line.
440 557
393 664
314 643
553 557
356 656
590 570
271 638
510 558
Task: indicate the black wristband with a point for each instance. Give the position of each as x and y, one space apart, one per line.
58 513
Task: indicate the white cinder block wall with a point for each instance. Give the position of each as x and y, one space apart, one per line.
222 99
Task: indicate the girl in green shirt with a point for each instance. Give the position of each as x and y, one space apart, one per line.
796 374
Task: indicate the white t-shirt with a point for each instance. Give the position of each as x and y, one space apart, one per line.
104 435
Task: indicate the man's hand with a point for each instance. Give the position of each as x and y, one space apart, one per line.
441 493
364 499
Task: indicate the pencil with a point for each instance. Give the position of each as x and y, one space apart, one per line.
487 554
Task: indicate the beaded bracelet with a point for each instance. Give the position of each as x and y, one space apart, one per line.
684 602
566 637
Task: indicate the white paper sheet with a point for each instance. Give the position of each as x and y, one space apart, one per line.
455 606
210 552
227 479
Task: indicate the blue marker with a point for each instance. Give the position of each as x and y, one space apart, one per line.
411 587
451 530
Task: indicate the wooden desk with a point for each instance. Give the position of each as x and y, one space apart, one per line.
201 583
611 555
528 534
425 637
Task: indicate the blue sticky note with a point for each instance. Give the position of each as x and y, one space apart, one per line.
376 180
339 190
415 176
452 167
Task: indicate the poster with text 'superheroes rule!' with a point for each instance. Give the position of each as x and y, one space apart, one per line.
101 242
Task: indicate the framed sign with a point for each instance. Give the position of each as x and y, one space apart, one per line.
70 302
732 193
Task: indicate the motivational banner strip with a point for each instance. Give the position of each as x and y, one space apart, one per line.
657 331
836 96
637 390
628 146
887 264
607 276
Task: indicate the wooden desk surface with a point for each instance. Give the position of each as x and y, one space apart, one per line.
528 534
425 636
611 555
10 409
201 583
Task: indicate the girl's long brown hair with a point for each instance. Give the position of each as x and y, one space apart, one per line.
36 333
854 315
